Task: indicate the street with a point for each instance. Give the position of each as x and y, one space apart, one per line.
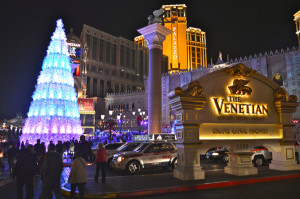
287 189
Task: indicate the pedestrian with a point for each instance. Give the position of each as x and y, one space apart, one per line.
2 159
84 147
37 146
12 157
60 148
25 170
51 172
101 163
78 176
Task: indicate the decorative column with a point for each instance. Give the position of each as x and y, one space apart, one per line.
283 158
186 105
154 34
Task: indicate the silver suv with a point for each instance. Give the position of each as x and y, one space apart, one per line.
145 155
129 146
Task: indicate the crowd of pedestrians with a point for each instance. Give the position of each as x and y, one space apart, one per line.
39 170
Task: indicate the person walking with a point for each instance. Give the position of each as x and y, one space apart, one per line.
78 176
101 163
51 172
2 159
25 169
84 147
12 157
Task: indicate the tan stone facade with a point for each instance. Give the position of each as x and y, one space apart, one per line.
210 114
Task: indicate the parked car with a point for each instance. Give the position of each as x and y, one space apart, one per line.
218 154
129 146
261 155
147 154
113 146
109 147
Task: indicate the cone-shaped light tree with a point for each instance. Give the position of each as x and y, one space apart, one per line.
53 113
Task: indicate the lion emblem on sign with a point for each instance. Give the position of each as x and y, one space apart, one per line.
239 88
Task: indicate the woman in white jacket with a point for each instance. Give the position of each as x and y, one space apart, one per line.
78 175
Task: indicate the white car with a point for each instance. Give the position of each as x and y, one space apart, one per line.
261 155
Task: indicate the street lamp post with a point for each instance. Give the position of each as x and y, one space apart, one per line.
110 124
120 119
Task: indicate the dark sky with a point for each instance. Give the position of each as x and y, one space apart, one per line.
238 28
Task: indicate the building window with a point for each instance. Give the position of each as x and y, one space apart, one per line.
101 51
101 88
122 54
180 13
94 87
133 77
114 54
122 88
128 88
88 39
113 73
88 85
93 68
127 76
107 72
100 70
116 88
122 74
108 52
109 90
141 72
168 13
94 49
133 59
127 57
88 67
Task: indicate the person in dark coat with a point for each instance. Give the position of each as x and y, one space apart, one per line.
25 170
84 147
59 148
51 172
12 157
37 146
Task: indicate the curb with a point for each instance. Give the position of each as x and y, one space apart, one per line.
204 186
66 192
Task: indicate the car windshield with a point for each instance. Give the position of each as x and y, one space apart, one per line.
141 147
128 147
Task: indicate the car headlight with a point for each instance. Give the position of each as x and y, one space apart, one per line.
215 154
120 158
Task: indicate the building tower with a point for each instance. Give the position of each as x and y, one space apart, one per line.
184 47
297 21
54 114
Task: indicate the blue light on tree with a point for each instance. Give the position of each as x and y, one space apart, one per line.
54 113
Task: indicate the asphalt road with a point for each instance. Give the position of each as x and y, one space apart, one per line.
283 189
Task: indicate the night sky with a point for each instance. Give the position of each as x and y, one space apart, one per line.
238 28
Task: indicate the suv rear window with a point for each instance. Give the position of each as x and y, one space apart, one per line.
141 147
113 146
128 147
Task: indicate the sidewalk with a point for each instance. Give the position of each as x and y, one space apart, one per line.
123 186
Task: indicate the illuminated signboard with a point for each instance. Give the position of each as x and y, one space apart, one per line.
74 49
236 102
238 108
85 105
174 36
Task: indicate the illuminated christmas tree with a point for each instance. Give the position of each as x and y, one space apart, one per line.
53 113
